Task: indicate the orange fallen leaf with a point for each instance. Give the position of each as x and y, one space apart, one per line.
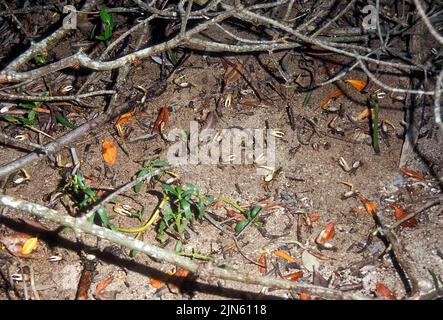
284 255
161 120
369 205
293 276
399 214
326 234
305 296
262 260
412 173
30 245
384 292
124 117
14 243
182 275
325 102
357 84
102 285
156 284
109 152
314 216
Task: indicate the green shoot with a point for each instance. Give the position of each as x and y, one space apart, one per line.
186 206
375 127
40 59
307 98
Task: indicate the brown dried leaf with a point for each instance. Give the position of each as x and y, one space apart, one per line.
384 292
412 173
161 120
102 285
262 260
400 213
325 102
233 73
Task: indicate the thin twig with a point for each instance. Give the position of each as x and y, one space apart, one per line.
9 96
428 24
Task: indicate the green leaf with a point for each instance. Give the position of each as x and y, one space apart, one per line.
132 253
172 57
62 120
103 216
31 115
178 246
141 173
255 211
105 17
11 119
91 218
161 229
40 59
181 227
107 22
160 163
169 213
187 208
30 118
27 105
201 209
247 214
169 189
240 226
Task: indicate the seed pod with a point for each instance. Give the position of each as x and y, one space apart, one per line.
345 166
55 258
